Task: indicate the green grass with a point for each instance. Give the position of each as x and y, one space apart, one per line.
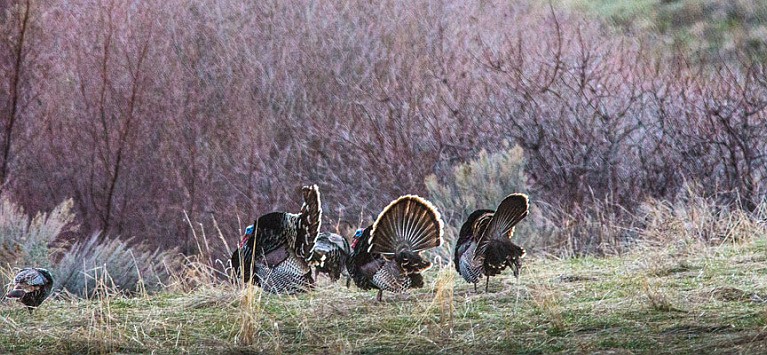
718 28
685 299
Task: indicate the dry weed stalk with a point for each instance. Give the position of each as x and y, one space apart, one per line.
548 301
102 328
444 285
656 297
251 318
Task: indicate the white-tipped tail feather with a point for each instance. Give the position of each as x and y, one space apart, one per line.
312 209
408 223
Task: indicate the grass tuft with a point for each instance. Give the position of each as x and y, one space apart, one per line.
657 298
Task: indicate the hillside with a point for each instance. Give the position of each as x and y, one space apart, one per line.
684 298
726 28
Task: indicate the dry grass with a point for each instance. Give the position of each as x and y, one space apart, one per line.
692 280
668 298
657 298
549 303
699 218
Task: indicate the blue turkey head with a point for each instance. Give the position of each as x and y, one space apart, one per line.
248 233
357 237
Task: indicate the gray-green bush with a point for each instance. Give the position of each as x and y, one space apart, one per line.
115 263
91 265
478 184
25 240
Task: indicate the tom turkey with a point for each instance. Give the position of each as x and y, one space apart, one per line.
484 246
273 254
387 255
329 255
31 287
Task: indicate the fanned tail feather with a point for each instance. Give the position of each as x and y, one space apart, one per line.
311 211
311 219
510 211
408 224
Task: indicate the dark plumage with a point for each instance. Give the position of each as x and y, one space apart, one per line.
387 255
31 287
484 246
276 249
329 255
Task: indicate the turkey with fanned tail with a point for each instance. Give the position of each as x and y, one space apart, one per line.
31 287
329 255
484 246
272 254
387 255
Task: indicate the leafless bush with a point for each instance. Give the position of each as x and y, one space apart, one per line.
224 110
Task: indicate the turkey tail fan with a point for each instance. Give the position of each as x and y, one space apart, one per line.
409 223
311 211
512 209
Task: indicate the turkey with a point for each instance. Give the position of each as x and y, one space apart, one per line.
31 287
276 248
329 255
484 246
387 255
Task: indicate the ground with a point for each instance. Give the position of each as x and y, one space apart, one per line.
657 299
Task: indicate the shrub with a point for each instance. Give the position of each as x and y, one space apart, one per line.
122 267
85 266
598 227
25 241
478 184
225 110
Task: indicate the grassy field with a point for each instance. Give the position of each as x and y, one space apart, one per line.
720 28
685 298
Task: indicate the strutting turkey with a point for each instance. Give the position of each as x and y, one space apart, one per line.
387 255
329 255
484 246
31 287
276 248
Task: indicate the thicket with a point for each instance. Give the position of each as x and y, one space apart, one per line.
140 111
84 267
